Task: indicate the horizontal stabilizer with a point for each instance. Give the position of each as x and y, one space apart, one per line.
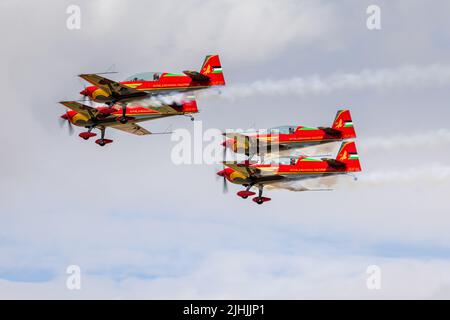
331 131
196 76
335 163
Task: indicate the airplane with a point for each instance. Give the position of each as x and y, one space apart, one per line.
144 85
285 170
107 117
285 138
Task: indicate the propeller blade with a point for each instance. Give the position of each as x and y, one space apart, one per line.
224 154
225 185
70 127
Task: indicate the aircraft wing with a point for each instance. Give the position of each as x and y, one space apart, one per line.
291 187
132 128
242 168
80 108
109 86
253 140
236 135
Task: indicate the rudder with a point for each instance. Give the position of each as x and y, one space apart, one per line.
349 156
343 122
212 68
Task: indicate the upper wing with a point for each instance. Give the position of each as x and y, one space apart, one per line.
109 86
132 128
236 135
81 108
242 168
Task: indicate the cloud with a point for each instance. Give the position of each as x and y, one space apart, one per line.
244 32
249 275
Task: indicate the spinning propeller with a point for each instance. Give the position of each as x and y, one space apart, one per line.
222 174
66 118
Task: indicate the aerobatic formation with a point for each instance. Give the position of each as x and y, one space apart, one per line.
271 155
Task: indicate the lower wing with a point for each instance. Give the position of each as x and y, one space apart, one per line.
132 128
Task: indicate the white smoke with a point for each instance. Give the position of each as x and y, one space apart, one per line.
381 79
433 173
162 99
418 140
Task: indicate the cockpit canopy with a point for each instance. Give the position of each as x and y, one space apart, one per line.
281 161
283 129
144 76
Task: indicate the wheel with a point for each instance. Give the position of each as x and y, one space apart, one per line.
244 197
123 120
85 138
259 201
101 143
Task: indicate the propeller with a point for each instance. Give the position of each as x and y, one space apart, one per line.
65 118
225 185
84 97
224 180
224 152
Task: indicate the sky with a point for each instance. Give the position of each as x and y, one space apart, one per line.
140 226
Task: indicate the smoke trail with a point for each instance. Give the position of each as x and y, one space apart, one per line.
434 173
161 100
406 76
425 139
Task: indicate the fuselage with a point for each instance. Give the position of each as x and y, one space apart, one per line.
300 138
166 84
134 113
290 168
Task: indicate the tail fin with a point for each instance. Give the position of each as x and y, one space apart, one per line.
349 156
213 70
343 123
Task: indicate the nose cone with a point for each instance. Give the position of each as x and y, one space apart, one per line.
221 173
65 116
84 92
228 143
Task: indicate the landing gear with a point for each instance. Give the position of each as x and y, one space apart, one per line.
88 134
190 117
260 199
102 141
244 194
123 119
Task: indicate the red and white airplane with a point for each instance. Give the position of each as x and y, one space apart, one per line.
291 137
147 84
108 117
285 170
